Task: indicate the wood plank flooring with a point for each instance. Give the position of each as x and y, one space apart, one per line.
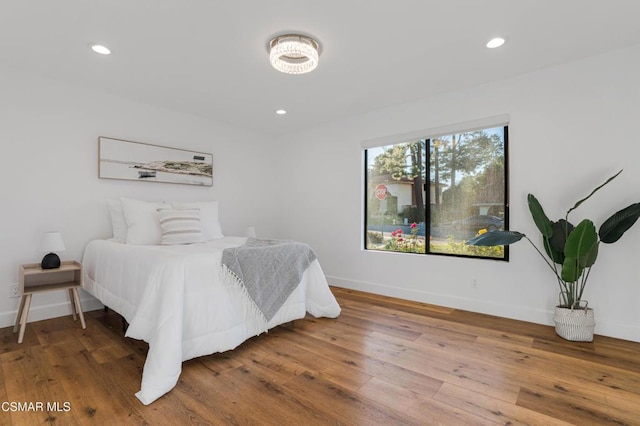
384 361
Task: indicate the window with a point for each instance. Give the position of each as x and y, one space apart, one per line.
430 195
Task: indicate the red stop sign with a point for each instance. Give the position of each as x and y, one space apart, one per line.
381 192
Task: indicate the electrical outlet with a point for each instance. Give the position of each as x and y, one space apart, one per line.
474 283
14 290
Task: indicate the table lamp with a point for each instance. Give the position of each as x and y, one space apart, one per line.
51 241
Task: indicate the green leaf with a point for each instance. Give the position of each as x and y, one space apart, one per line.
561 229
495 238
571 270
578 250
555 255
613 228
539 217
592 192
581 240
590 258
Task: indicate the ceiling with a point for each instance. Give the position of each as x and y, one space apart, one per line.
209 57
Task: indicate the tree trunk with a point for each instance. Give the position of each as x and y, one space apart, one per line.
453 170
418 182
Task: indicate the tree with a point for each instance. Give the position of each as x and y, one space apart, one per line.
478 154
393 162
404 162
491 183
417 171
465 153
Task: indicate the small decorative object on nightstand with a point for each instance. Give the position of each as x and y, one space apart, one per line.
36 279
51 241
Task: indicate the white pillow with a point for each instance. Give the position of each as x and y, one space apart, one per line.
208 217
143 225
118 224
180 226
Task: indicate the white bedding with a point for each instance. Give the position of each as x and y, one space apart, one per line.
176 299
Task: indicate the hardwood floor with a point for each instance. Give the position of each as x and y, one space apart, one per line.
383 361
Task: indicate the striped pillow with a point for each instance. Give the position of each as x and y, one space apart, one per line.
180 226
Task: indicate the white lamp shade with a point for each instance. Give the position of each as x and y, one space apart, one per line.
52 242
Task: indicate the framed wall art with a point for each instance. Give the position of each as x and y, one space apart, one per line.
127 160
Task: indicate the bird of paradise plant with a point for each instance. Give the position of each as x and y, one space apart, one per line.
571 251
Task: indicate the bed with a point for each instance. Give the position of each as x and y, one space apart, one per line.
185 303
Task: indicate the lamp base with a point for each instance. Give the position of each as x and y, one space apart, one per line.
50 261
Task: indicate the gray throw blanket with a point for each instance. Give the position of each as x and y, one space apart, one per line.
269 270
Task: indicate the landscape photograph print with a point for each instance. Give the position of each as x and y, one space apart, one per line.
127 160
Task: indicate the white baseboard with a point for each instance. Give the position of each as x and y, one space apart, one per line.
522 313
603 327
38 313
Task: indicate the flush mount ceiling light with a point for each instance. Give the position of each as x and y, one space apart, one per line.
495 42
98 48
293 53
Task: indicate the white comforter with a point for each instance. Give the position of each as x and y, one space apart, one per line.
176 299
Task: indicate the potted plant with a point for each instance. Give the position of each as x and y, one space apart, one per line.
570 251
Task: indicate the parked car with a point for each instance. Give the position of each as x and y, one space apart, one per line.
478 222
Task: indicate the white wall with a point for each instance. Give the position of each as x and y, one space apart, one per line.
571 127
49 179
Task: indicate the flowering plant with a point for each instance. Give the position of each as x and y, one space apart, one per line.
398 241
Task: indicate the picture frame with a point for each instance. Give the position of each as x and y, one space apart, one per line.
142 162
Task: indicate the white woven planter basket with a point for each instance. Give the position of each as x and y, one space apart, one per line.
575 324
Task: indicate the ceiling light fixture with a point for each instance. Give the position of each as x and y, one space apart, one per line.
98 48
293 53
281 111
495 42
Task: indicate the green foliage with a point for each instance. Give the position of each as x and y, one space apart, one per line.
394 162
470 169
375 237
571 251
466 152
459 247
554 245
411 214
539 217
580 245
613 228
495 238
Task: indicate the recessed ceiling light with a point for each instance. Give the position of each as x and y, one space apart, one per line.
281 111
98 48
495 42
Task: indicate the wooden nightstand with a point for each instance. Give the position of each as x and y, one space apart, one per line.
34 279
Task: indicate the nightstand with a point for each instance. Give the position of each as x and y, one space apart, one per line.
34 279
